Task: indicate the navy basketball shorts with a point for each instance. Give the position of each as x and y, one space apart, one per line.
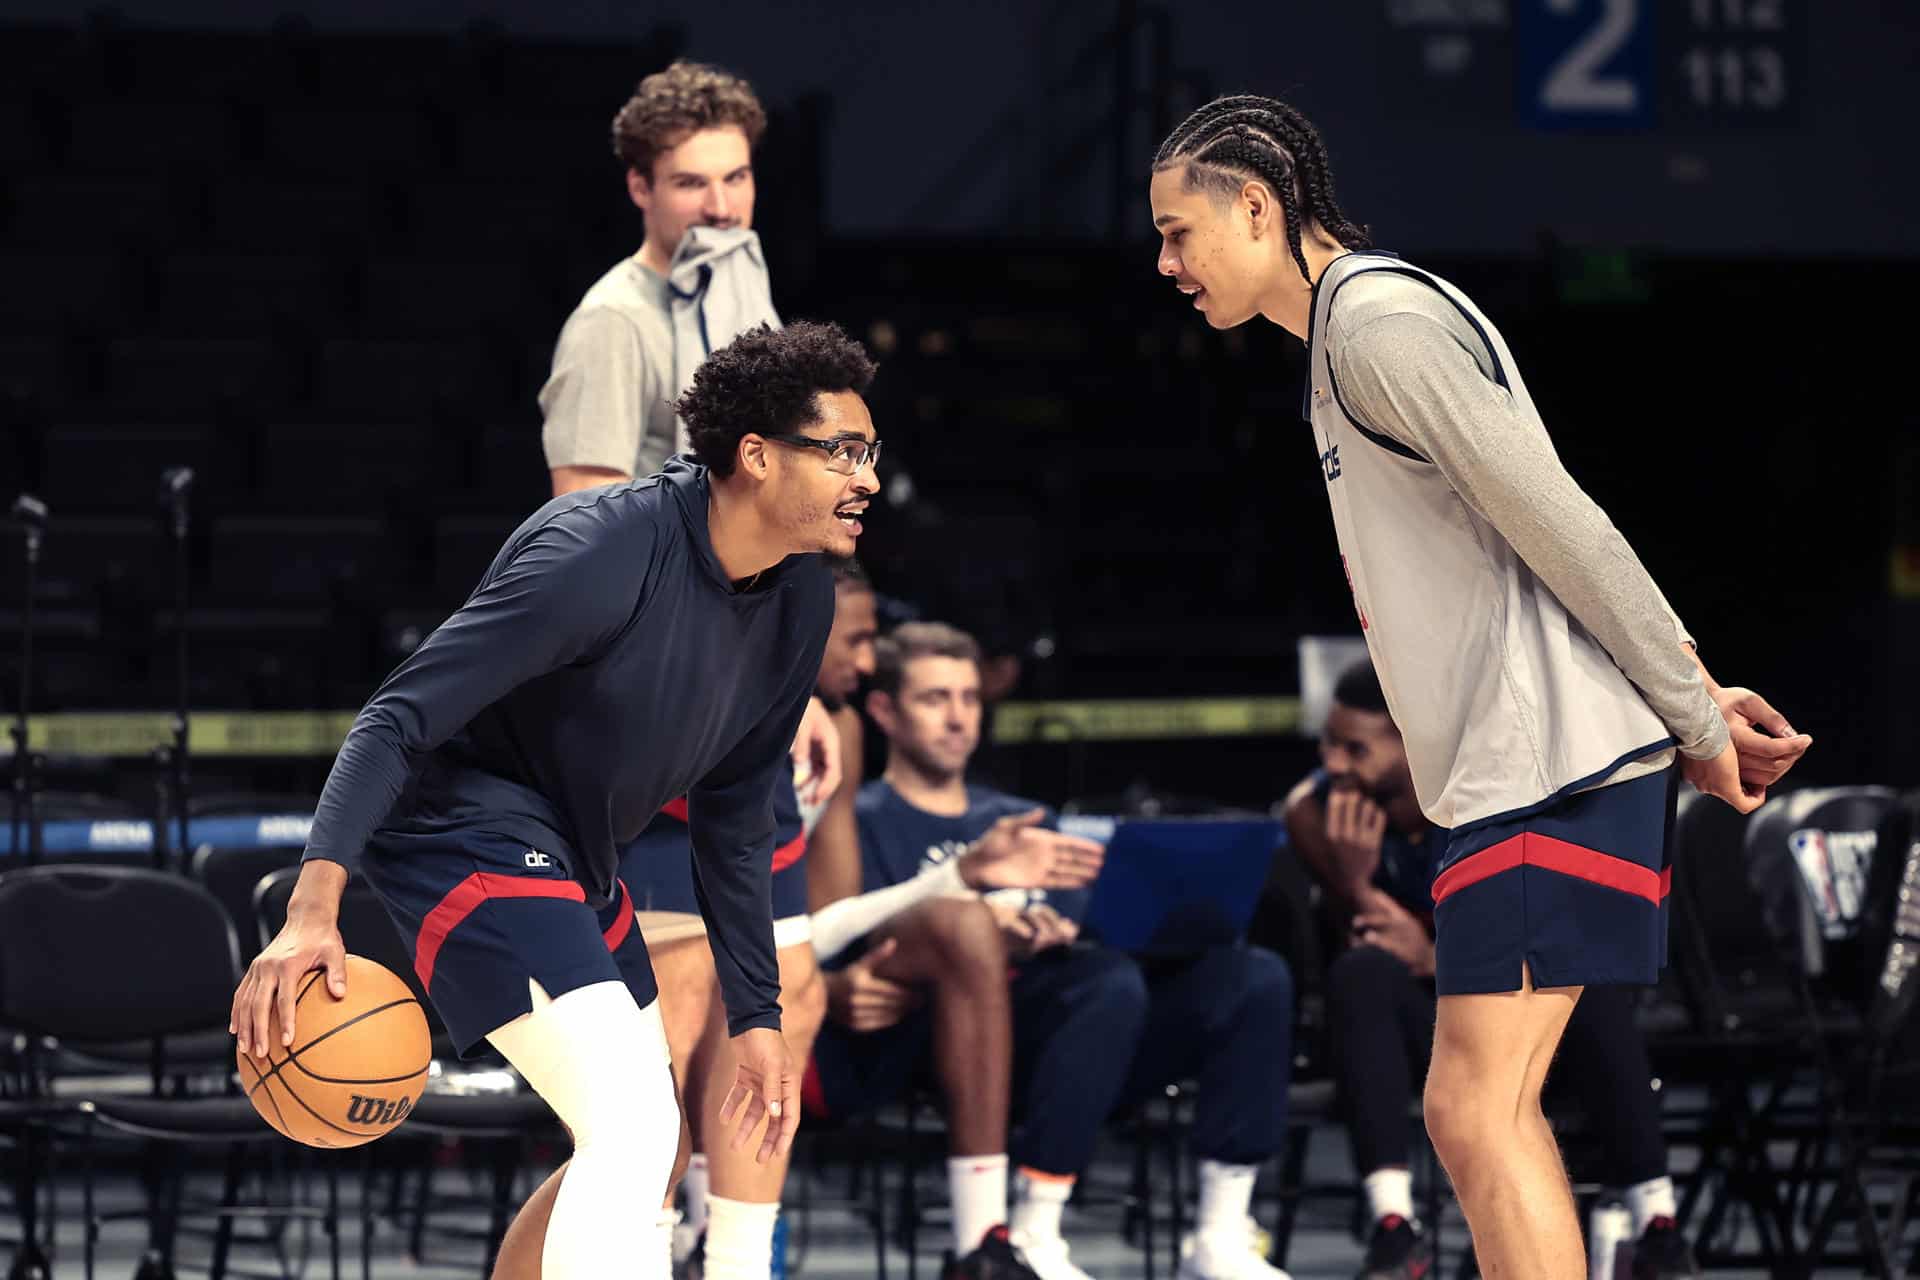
657 866
483 913
1577 891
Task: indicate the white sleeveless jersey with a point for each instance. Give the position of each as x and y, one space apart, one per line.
1504 700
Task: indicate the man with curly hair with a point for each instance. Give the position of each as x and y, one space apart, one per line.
686 140
628 645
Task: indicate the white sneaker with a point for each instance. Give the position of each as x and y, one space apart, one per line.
1048 1257
1225 1255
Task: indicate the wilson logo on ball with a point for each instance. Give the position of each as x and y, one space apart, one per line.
380 1111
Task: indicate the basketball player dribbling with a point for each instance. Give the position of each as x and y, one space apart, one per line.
630 644
1541 682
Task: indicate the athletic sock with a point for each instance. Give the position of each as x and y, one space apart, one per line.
739 1239
1226 1198
1038 1201
1649 1200
696 1187
978 1187
1389 1193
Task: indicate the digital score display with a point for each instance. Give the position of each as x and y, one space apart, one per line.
1608 65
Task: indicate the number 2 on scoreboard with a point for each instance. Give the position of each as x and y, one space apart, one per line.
1574 84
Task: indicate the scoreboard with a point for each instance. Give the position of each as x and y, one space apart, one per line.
1603 65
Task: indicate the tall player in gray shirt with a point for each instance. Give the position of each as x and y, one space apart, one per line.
1543 685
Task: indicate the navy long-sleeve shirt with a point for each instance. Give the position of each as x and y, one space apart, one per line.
604 666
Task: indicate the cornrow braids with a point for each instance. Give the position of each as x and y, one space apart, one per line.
1233 138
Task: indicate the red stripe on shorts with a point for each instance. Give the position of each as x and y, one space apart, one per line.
1530 848
466 897
676 809
813 1094
622 922
790 852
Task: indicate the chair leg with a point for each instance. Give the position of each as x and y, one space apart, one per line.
366 1214
910 1194
223 1229
877 1190
333 1218
1293 1175
506 1162
29 1263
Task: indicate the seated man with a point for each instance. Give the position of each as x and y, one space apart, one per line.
1090 1030
931 945
1356 824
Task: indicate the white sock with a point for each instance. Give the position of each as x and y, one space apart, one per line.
739 1239
1037 1204
978 1187
695 1188
1226 1197
1389 1192
1649 1200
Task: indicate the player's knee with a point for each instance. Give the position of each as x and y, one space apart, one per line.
1468 1114
964 934
642 1120
1263 983
1112 991
803 1006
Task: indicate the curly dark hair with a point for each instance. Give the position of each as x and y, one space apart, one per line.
682 100
764 382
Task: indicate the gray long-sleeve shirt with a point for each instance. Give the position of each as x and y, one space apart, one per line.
1452 506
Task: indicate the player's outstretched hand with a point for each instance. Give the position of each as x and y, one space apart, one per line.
1018 853
765 1087
816 754
310 939
1720 777
1766 743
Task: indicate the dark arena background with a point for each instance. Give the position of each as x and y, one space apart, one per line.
278 292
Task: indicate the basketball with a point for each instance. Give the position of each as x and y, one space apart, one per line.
356 1066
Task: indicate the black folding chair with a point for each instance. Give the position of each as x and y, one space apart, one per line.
94 954
1814 859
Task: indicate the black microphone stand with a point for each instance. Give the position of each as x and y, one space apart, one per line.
31 515
176 483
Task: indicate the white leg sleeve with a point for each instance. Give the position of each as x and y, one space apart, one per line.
600 1061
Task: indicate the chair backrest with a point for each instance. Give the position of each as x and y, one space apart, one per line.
1809 856
113 953
1890 925
230 875
365 928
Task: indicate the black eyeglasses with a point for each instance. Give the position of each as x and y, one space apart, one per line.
846 455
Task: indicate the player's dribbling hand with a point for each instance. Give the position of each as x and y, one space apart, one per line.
309 940
816 753
1018 853
765 1087
1720 777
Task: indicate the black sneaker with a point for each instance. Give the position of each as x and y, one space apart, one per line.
995 1259
1662 1253
1398 1250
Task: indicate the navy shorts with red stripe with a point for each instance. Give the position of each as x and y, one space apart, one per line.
658 863
482 913
1577 890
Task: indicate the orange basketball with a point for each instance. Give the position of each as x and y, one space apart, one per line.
356 1066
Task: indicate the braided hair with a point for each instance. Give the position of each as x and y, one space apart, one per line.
1232 139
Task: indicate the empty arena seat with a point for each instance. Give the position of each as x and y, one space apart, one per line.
299 557
80 557
193 373
246 294
49 292
165 138
402 377
317 216
508 217
463 547
415 297
339 142
92 214
95 467
342 466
